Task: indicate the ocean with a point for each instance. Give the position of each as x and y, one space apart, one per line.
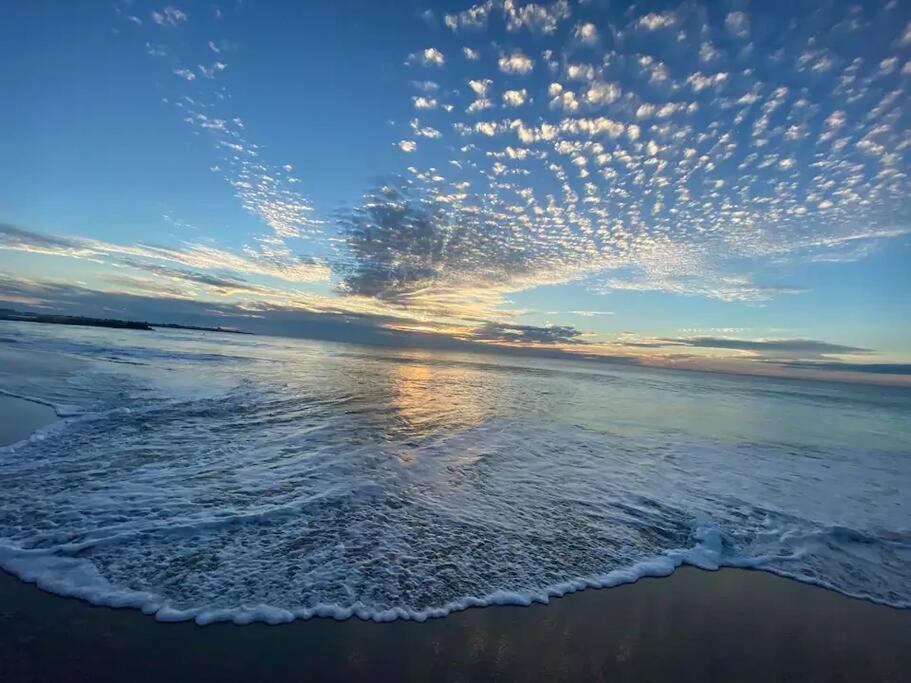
218 477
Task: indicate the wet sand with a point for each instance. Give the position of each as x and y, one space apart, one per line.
695 625
20 418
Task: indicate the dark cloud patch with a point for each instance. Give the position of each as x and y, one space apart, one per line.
330 325
792 346
402 240
222 284
12 237
643 344
552 334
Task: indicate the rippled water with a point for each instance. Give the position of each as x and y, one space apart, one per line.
216 476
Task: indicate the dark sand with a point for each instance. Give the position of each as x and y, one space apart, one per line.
19 418
695 625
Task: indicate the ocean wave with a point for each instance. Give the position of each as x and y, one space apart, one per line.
316 483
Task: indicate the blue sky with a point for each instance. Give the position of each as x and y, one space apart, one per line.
719 185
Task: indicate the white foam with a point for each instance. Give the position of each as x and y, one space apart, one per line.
74 577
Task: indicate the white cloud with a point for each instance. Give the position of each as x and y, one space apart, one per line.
426 86
516 63
602 93
580 72
424 131
479 104
657 20
186 74
587 33
564 100
737 23
708 53
480 86
534 16
407 145
473 18
429 57
425 102
471 54
699 81
906 36
889 65
210 71
169 16
515 98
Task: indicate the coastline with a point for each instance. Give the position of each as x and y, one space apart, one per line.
732 624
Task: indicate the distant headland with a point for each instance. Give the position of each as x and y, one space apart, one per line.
58 319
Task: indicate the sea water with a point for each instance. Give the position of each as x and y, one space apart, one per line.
211 476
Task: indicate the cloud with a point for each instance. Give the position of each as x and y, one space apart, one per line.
587 33
657 20
602 93
266 263
169 16
424 131
428 57
535 17
426 252
906 35
220 284
211 71
528 334
679 161
474 17
737 23
425 102
706 284
316 319
516 62
264 190
515 98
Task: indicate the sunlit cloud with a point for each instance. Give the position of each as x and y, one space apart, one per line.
252 261
516 62
428 57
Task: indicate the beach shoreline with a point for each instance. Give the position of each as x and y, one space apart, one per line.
731 624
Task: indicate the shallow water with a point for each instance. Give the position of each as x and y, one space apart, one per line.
215 476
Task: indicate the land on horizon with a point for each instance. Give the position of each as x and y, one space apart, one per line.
87 321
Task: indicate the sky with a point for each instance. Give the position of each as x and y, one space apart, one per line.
711 185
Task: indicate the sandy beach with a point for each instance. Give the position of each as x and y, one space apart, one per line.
695 625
